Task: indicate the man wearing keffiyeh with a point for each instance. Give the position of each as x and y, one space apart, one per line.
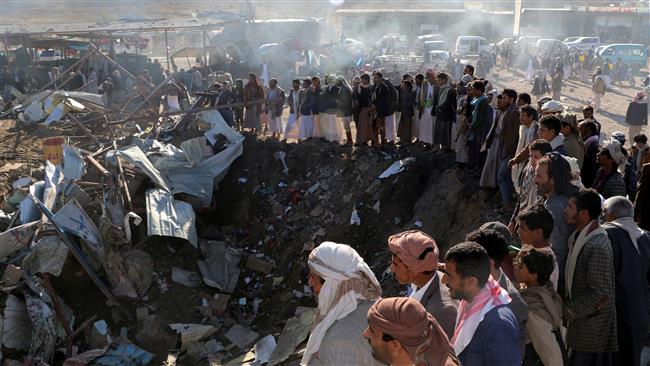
487 332
346 288
401 332
414 261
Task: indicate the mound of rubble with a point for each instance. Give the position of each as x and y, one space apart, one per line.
194 253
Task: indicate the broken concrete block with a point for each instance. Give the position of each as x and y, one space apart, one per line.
259 265
241 336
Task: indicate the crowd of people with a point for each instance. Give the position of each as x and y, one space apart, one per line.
575 291
581 301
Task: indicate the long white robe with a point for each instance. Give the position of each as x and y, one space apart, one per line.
425 131
391 127
330 128
306 127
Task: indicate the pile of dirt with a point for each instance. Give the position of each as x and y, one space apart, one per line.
273 218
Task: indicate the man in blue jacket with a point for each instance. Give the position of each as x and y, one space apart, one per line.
487 332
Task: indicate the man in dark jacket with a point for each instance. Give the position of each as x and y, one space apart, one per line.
480 121
344 106
414 262
631 248
445 112
642 201
406 105
307 99
380 106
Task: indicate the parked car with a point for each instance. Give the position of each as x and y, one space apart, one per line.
584 43
437 59
50 55
548 45
435 46
570 39
471 45
427 37
635 55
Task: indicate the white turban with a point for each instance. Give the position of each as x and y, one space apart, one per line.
615 151
347 279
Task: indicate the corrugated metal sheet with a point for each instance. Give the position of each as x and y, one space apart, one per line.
169 217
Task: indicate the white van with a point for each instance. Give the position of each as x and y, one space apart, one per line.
471 45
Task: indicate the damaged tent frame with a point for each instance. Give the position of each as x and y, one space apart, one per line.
79 256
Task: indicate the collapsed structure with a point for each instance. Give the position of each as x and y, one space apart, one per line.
117 251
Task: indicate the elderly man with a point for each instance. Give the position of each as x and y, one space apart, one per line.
589 307
401 332
631 247
346 288
414 262
486 331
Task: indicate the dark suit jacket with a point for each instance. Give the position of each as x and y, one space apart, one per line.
642 202
438 302
509 131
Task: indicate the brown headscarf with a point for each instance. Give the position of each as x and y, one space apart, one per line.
408 322
408 246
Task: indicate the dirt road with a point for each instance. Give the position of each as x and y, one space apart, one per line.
576 94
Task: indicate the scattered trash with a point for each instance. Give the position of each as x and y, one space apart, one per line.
295 331
192 332
396 168
259 265
220 268
241 336
264 349
354 217
187 278
280 156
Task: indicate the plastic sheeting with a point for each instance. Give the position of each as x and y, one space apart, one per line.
28 210
74 166
17 238
220 268
17 327
135 156
47 256
169 217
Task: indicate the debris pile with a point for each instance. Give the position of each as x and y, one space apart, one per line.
184 242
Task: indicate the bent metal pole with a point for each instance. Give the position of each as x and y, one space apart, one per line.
79 256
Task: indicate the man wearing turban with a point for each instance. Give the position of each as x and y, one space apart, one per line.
346 288
401 332
414 262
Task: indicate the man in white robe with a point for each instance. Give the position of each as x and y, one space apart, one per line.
346 289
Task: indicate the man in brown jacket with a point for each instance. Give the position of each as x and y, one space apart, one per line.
510 138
